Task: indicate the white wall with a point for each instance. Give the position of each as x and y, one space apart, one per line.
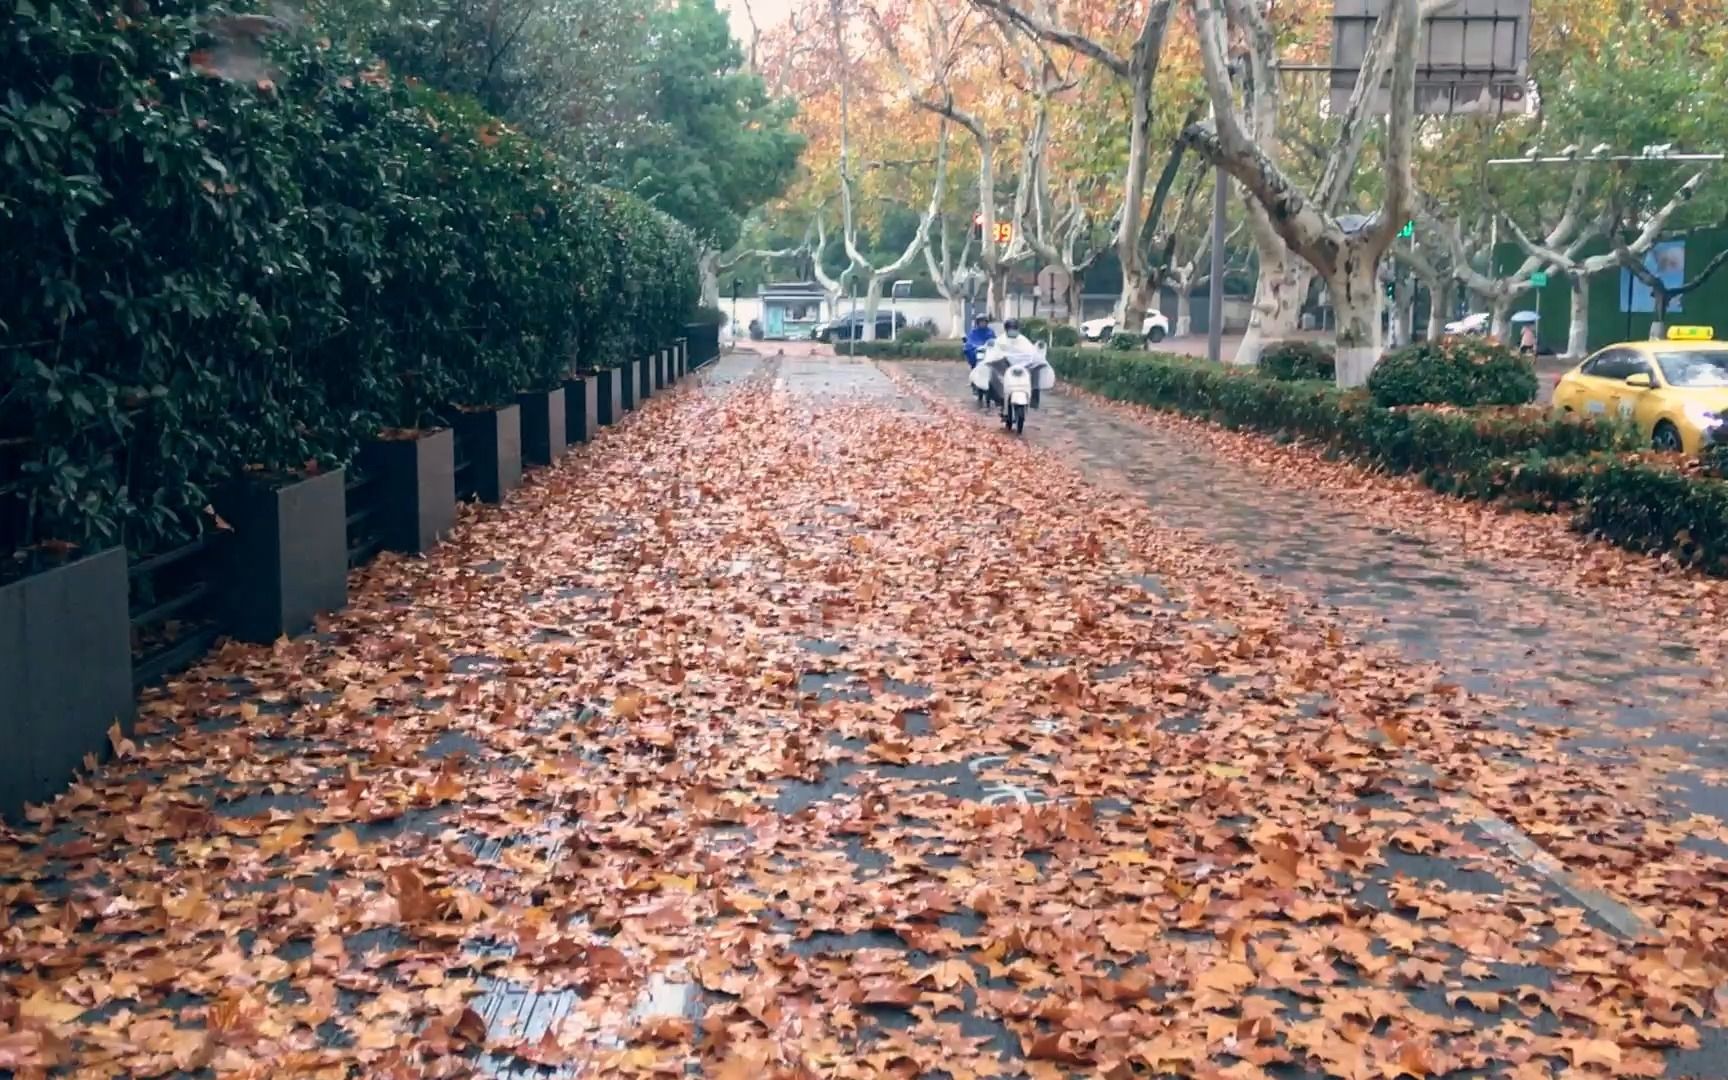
916 311
1236 311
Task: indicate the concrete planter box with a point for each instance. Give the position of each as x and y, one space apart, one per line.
287 560
608 396
581 409
542 426
632 378
65 674
645 378
490 441
416 478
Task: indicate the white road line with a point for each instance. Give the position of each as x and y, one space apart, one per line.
667 993
1529 854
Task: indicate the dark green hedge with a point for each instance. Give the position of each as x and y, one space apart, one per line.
1465 371
204 276
1295 361
1427 441
1651 506
903 350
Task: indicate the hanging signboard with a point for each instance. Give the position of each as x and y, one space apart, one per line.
1474 57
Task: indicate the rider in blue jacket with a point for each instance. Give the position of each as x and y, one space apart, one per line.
976 338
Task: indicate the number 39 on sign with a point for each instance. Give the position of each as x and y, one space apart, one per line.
1003 232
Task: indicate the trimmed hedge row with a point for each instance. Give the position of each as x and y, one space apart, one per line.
1436 442
1464 371
905 350
1295 361
1526 458
207 276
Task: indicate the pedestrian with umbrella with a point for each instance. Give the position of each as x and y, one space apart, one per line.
1527 336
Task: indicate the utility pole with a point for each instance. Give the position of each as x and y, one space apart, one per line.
1215 292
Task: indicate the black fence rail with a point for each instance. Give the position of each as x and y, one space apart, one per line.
365 511
704 343
174 610
14 505
467 482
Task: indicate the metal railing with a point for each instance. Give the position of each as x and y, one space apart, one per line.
173 611
365 540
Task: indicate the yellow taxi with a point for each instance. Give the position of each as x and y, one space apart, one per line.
1674 391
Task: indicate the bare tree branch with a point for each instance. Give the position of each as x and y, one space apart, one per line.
1069 39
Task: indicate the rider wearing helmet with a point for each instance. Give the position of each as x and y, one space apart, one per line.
1014 344
977 338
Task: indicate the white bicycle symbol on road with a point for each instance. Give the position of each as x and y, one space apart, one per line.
998 792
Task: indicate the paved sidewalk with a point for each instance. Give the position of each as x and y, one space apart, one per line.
1622 678
804 727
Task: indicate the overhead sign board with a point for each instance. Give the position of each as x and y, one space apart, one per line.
1474 56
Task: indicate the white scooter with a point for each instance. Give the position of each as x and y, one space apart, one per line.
1012 375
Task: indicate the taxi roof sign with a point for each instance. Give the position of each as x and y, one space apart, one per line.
1691 333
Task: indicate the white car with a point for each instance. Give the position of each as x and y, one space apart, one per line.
1475 323
1156 328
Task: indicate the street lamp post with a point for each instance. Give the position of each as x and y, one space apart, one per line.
1215 293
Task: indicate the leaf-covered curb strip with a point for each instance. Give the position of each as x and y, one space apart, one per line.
205 276
729 696
1524 457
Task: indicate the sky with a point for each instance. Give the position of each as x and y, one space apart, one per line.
768 13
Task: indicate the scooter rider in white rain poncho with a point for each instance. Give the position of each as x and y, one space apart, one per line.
1013 345
1012 373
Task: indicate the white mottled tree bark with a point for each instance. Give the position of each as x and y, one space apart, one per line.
1138 222
1579 271
994 257
1570 232
1243 144
1439 305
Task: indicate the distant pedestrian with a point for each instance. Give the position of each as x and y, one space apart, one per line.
1527 340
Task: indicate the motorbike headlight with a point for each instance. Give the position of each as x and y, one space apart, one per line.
1704 418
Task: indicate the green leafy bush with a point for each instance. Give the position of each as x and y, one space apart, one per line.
1295 361
1652 506
704 315
1121 342
910 350
1065 337
914 335
1035 328
206 275
1425 440
1453 371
